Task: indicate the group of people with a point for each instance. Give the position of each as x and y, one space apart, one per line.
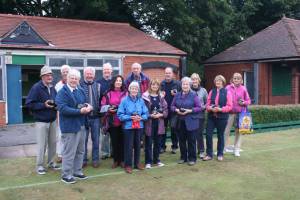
131 112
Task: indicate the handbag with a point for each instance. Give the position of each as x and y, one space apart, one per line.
245 123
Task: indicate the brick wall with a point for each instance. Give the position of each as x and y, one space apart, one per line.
152 73
2 114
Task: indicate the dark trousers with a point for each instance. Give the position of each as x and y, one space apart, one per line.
174 137
152 154
199 136
187 143
93 125
117 141
220 124
132 145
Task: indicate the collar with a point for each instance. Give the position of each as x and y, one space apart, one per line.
70 88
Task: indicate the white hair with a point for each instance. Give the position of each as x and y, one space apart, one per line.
134 84
107 65
186 79
92 69
63 67
136 65
74 72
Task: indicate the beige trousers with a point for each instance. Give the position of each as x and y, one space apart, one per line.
238 139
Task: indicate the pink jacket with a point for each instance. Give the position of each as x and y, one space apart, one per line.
225 109
238 93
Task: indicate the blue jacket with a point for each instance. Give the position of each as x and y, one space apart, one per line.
127 107
35 101
70 118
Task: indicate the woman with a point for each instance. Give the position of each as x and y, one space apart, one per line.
219 103
202 95
187 106
155 126
241 100
132 112
111 121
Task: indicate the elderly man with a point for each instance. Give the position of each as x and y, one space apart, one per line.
170 87
138 76
105 85
92 93
72 105
40 101
64 70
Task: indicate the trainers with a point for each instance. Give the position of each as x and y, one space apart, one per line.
68 180
201 155
41 170
181 161
228 149
237 153
220 158
160 164
191 163
54 166
173 151
80 176
148 166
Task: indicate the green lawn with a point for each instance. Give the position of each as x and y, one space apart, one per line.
269 168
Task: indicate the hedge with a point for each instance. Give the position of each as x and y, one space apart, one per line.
263 114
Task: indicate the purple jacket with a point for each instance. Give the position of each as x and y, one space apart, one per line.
238 93
161 123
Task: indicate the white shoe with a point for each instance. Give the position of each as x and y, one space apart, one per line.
228 149
160 164
237 153
148 166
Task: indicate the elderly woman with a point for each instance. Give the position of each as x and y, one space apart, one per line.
187 106
241 100
155 126
219 104
113 98
132 112
73 107
202 95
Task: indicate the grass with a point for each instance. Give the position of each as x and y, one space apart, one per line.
267 169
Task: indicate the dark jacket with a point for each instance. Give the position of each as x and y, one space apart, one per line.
167 87
96 89
105 86
70 118
143 82
35 101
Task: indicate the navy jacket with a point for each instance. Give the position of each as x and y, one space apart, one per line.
167 87
70 118
35 101
96 88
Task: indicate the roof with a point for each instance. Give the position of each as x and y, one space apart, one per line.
278 41
85 35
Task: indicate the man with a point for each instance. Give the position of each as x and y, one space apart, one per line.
64 70
170 87
72 105
40 101
92 93
138 76
105 83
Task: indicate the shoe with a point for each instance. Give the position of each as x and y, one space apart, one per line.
191 163
128 170
201 155
115 165
122 165
80 176
207 158
181 161
220 158
95 164
160 164
139 167
54 167
148 166
41 170
228 149
104 157
173 151
59 160
162 151
84 165
68 180
237 153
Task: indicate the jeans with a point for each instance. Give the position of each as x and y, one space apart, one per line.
93 126
152 154
132 145
187 143
220 124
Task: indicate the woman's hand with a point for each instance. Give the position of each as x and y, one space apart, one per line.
217 109
156 116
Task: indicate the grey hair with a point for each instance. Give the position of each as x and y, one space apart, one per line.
186 79
65 67
107 65
136 64
88 69
74 72
134 84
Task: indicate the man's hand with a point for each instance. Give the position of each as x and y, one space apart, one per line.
47 104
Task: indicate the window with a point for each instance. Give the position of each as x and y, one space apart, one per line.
75 62
281 80
95 62
113 62
57 62
249 84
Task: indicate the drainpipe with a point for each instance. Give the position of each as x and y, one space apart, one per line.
256 82
182 66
